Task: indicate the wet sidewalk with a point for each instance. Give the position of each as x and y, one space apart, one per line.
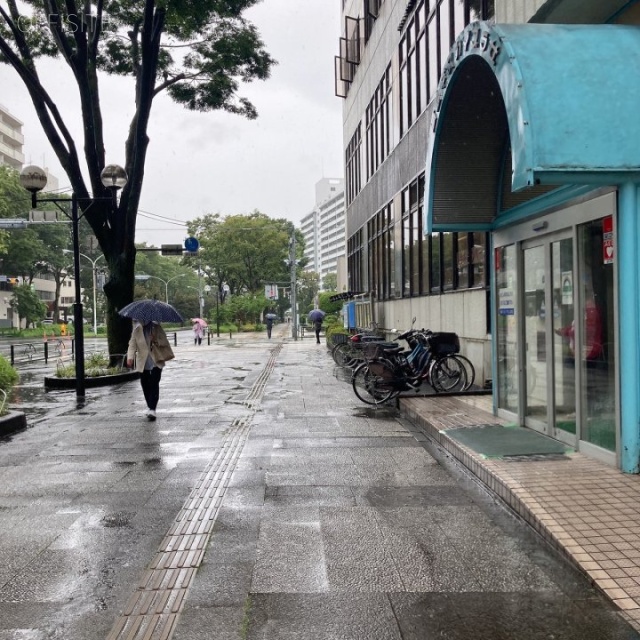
268 503
589 511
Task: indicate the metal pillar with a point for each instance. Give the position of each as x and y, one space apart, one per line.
294 302
78 328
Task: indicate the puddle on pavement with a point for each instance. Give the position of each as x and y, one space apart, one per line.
380 413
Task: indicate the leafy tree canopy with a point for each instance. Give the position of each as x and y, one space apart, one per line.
244 252
199 52
27 304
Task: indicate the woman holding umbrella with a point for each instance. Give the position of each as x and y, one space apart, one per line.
198 330
149 341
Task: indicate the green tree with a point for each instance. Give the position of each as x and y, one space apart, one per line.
13 203
330 282
27 305
246 308
308 286
245 252
54 258
197 52
325 302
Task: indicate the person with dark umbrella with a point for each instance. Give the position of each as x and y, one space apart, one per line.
149 346
152 346
269 318
317 316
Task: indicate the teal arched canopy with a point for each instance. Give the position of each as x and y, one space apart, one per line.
528 105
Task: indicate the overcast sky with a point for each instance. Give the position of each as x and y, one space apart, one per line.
216 162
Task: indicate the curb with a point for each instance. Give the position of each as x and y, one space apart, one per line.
12 421
52 382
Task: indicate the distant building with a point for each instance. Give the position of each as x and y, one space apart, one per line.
11 140
323 228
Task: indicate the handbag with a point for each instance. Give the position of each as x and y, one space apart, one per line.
161 348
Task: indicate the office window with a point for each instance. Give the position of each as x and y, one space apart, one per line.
354 261
378 125
381 258
353 167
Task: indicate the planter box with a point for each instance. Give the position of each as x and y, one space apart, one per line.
53 382
12 421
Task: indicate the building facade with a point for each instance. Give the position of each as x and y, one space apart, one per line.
11 140
324 228
490 192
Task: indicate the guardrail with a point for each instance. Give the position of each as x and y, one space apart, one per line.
59 349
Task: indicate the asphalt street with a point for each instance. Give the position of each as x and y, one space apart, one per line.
266 502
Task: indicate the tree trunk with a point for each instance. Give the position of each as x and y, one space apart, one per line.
119 292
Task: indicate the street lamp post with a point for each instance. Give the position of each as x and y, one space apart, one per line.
34 179
93 268
143 277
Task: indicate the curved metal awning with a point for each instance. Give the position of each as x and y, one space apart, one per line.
547 104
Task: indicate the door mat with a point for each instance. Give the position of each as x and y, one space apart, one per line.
497 441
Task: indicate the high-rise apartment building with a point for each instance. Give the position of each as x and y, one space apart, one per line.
323 228
11 140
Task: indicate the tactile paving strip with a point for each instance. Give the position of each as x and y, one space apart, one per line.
153 609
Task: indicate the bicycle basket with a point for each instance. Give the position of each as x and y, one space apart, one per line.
381 370
371 350
444 342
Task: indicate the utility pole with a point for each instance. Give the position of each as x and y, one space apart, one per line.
294 303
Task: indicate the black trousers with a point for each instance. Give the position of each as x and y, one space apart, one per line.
150 382
318 335
268 331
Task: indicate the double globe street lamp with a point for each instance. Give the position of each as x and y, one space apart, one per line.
34 179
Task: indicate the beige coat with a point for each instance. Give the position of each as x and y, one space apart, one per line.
160 348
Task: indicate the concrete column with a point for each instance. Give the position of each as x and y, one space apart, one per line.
628 250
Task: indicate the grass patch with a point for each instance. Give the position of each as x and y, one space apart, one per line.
95 366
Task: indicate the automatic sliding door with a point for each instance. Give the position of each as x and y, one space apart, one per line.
563 338
535 338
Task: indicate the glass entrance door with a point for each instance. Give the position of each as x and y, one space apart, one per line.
549 336
563 339
535 337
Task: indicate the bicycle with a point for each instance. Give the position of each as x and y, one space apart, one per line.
348 353
387 371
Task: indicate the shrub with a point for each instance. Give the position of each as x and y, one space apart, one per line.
8 375
95 365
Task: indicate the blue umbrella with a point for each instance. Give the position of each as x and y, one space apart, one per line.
271 316
151 311
316 315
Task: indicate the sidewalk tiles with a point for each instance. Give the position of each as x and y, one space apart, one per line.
587 510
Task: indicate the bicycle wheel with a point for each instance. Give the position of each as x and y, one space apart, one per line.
373 382
469 369
448 374
342 354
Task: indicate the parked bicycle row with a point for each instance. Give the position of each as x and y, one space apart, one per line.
382 370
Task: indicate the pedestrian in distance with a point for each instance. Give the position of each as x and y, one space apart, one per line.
198 332
316 316
149 347
269 319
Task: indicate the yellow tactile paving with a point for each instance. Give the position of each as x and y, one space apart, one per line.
586 509
152 610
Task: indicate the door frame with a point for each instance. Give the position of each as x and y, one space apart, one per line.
540 230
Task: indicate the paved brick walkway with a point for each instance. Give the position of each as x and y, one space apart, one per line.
584 508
